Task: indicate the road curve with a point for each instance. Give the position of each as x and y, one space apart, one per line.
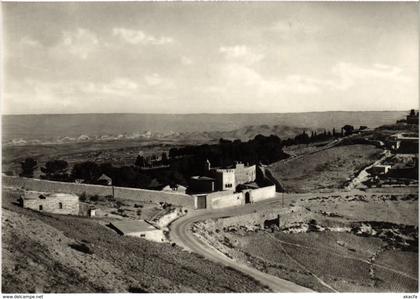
180 233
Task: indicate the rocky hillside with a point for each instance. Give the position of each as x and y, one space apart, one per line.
52 253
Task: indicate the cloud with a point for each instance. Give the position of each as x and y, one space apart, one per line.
119 94
153 80
29 42
118 87
294 28
240 79
241 54
244 81
34 95
186 61
136 37
80 43
239 76
348 75
62 90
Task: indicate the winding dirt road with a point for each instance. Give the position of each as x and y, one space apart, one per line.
181 234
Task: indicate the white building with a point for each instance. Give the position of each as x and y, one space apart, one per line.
138 228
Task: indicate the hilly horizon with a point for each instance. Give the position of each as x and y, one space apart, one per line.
239 125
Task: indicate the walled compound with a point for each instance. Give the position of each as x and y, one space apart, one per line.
142 195
228 187
232 186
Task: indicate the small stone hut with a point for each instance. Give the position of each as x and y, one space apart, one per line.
58 203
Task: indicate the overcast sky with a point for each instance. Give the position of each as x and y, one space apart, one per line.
209 57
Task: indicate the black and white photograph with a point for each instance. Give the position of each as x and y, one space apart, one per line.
209 147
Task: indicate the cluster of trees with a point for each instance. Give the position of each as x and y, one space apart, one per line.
28 167
305 138
182 162
152 161
53 170
127 176
326 135
264 149
89 172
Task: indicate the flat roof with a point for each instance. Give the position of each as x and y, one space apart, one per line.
132 226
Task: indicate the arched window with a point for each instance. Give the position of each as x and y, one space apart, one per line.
40 207
60 205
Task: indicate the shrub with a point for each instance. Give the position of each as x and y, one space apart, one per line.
94 197
83 197
28 167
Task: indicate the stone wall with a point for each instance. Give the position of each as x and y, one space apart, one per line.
228 198
177 199
244 174
70 205
168 218
287 216
225 200
119 192
262 193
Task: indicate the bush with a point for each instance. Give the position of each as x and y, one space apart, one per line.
83 197
55 170
28 167
94 197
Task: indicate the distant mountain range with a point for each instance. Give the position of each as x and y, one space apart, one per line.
44 129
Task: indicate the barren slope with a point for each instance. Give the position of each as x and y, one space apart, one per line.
327 169
51 253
